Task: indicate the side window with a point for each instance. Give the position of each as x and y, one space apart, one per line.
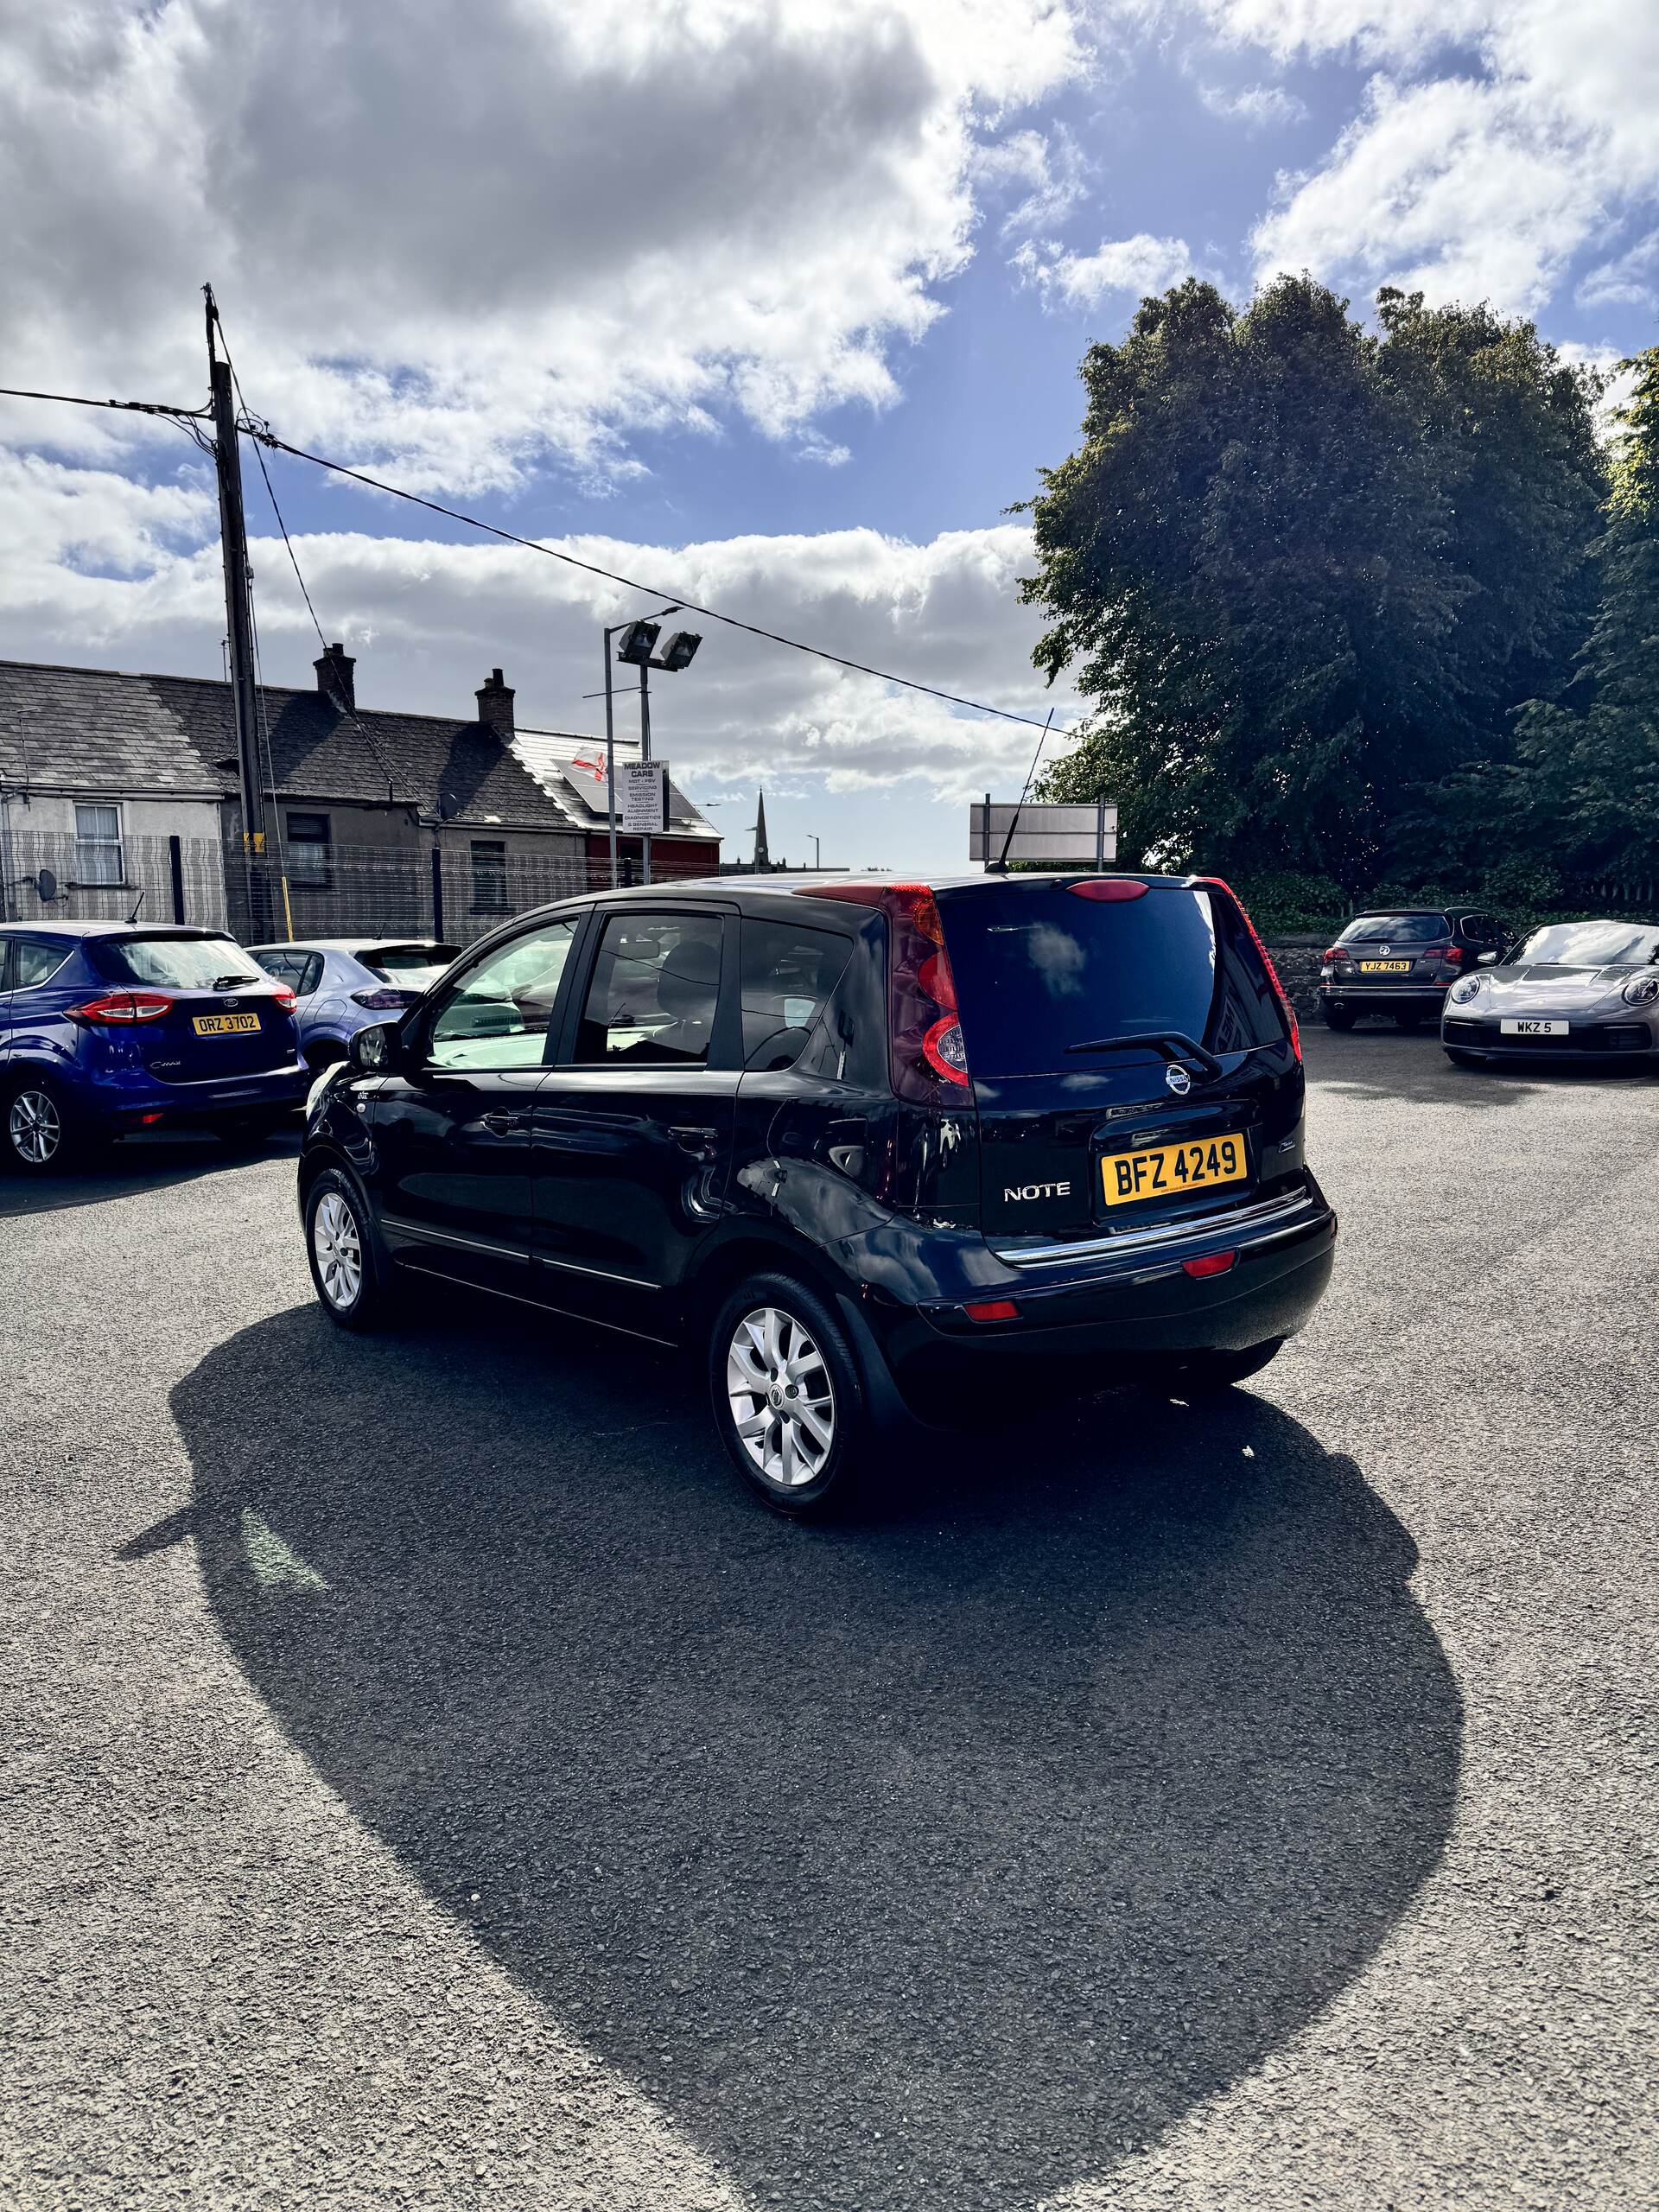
500 1012
787 975
1480 929
655 987
311 977
281 966
37 959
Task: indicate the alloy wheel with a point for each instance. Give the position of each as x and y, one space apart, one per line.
34 1127
339 1250
782 1400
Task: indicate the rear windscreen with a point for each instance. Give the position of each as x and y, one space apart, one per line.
174 963
400 962
1040 971
1401 929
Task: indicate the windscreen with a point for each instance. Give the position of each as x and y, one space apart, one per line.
1040 971
1589 945
415 964
176 963
1397 929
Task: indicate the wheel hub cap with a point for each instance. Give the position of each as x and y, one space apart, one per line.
34 1127
782 1401
338 1250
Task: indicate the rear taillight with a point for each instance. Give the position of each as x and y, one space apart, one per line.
992 1309
120 1008
1285 1006
1452 952
1334 952
385 1001
928 1051
283 996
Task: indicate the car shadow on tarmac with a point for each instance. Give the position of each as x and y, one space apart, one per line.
1392 1063
941 1855
142 1163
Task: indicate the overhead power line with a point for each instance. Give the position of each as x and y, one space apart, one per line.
262 435
265 435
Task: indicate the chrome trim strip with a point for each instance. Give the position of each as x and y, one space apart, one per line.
419 1231
605 1275
541 1306
1246 1218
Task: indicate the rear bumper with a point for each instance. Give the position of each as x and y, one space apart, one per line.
1093 1324
1384 998
132 1099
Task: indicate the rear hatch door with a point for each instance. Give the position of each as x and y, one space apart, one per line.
1081 1132
224 1018
1383 952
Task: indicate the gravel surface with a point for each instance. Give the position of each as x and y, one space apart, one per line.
430 1781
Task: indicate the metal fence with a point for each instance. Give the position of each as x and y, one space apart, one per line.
449 893
48 875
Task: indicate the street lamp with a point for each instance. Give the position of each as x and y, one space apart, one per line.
639 639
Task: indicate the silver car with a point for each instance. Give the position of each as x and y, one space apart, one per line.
1571 990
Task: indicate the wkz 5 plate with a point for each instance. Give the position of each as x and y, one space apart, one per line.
1521 1027
1164 1170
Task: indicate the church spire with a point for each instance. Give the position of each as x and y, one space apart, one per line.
762 856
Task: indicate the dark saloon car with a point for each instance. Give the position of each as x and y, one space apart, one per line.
879 1152
106 1027
1569 991
1401 961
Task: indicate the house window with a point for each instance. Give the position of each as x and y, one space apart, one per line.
308 850
490 876
98 845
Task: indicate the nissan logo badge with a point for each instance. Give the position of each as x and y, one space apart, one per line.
1178 1079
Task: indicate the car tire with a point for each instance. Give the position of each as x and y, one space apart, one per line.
1338 1017
348 1272
38 1131
1460 1058
1201 1373
804 1455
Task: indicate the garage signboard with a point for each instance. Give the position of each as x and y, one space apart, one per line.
642 796
1052 836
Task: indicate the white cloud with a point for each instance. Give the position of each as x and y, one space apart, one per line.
1135 265
1051 167
1258 107
469 241
1632 279
426 620
1480 182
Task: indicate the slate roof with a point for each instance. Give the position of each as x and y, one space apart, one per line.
550 754
96 729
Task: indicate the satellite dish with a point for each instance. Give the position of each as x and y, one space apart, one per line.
45 885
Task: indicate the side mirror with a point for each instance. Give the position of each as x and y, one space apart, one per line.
1484 959
374 1050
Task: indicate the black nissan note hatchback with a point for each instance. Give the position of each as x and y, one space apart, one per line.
883 1153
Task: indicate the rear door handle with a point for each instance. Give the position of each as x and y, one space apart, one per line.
699 1142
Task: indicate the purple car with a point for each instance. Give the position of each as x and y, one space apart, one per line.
343 984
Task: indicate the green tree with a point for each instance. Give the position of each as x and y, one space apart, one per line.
1306 571
1588 780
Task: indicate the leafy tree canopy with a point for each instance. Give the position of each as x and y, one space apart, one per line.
1303 569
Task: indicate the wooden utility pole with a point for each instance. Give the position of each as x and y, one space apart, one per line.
239 621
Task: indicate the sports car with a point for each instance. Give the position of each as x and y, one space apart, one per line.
1571 990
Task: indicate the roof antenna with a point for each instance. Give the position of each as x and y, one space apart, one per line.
133 916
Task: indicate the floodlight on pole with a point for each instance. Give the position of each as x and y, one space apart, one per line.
638 637
679 652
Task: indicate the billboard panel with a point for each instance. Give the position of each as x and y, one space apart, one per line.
1052 836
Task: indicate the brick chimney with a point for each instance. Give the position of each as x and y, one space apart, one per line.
495 704
336 671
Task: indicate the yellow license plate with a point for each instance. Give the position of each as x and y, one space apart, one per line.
1385 966
1164 1170
224 1025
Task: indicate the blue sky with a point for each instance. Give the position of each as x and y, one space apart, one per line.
783 305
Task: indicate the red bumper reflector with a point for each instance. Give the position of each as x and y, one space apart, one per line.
993 1309
1212 1263
145 1120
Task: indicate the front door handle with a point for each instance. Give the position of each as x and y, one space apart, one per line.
503 1125
700 1143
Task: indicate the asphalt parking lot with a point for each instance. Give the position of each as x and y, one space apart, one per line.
431 1782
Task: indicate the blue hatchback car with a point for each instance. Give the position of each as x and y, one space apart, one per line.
106 1027
343 984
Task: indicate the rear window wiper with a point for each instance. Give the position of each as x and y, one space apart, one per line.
1174 1044
232 982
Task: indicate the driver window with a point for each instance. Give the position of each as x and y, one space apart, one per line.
498 1015
655 987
